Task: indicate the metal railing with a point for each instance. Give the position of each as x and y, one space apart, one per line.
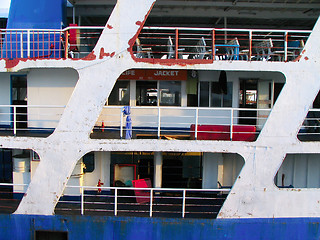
71 42
31 43
10 196
166 202
199 123
237 124
26 119
310 130
159 42
219 44
155 122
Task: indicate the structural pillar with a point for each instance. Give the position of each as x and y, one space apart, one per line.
157 169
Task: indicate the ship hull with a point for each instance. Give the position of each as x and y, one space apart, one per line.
95 227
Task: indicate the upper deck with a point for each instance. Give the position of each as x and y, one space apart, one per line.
159 44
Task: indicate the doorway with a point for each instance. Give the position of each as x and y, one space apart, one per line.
19 98
248 99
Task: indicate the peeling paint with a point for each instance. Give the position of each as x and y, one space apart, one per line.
133 39
91 56
297 59
103 54
10 63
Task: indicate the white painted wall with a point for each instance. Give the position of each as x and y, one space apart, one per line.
300 171
183 118
76 179
49 87
210 164
101 170
222 167
232 165
5 98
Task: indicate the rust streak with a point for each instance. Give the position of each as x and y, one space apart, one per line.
306 58
109 26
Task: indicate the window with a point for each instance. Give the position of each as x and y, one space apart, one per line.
211 95
88 161
154 93
170 93
182 170
147 93
120 94
204 94
19 90
220 99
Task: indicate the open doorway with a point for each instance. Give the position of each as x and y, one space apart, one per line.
248 99
19 97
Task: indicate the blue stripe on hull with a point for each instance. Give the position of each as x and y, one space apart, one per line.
127 228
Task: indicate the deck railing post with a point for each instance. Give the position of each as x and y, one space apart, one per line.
82 200
213 47
184 203
66 44
28 43
159 122
250 45
116 202
21 44
286 46
196 126
151 197
176 45
14 120
121 123
231 124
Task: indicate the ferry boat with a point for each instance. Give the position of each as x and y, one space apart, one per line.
130 131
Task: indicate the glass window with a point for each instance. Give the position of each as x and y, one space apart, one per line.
147 93
220 99
88 161
204 94
120 94
170 93
19 89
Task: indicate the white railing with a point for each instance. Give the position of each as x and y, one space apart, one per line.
184 122
310 130
36 118
150 201
197 123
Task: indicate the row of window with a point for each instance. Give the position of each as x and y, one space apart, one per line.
168 93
